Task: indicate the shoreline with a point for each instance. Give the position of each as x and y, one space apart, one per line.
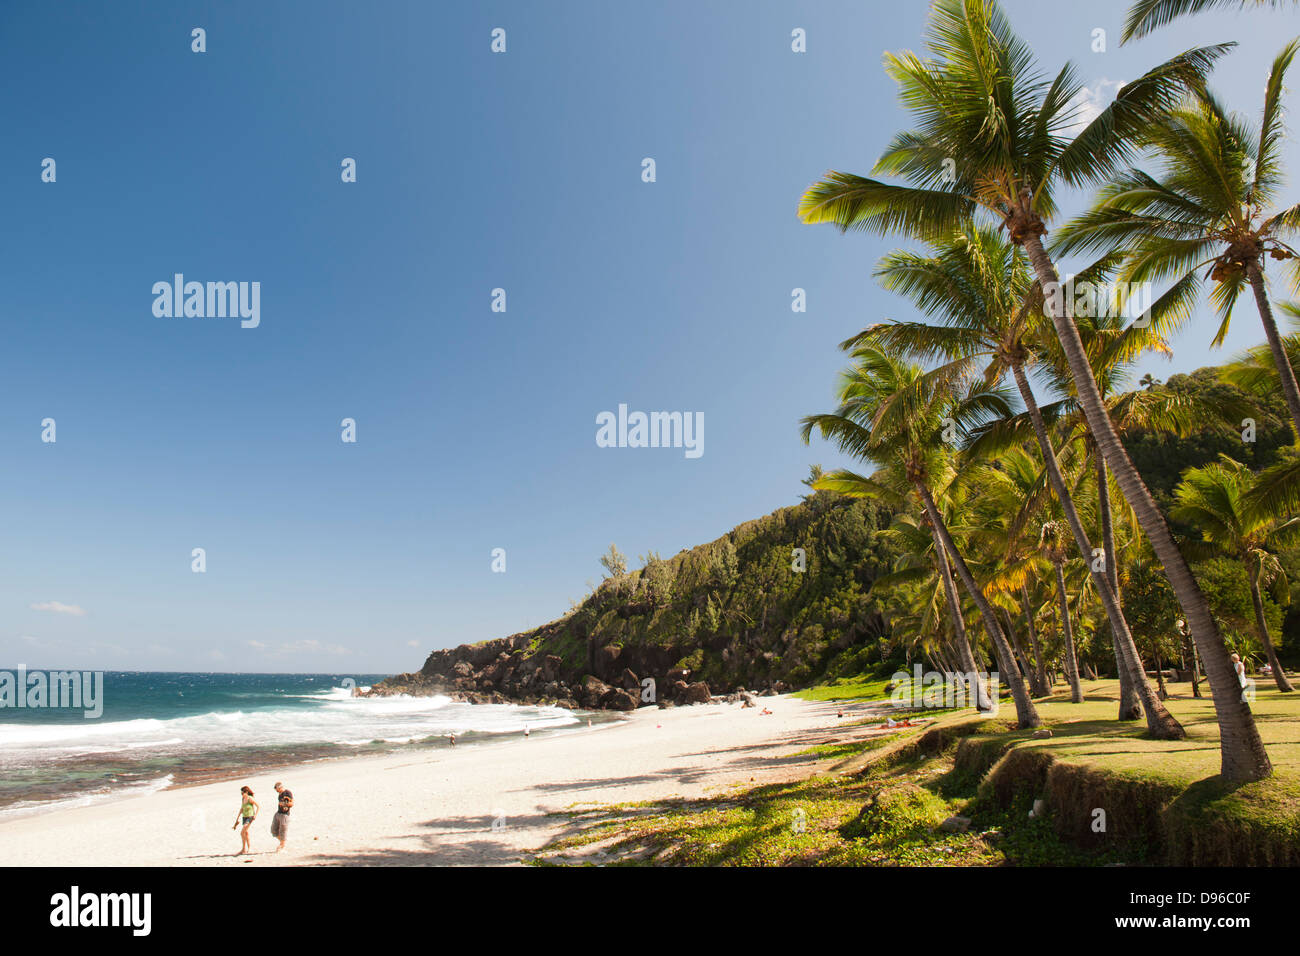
137 789
481 805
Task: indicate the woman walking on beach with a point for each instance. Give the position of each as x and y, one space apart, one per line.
247 814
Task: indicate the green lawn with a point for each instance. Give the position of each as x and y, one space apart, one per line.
866 687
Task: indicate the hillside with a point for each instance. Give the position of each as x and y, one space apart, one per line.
735 614
732 614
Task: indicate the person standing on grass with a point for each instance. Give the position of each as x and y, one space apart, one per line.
247 813
1240 668
280 822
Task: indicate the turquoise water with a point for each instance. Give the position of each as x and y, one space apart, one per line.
166 729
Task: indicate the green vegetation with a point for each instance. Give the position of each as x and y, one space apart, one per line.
783 598
1186 198
881 801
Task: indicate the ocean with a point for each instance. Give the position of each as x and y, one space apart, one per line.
171 729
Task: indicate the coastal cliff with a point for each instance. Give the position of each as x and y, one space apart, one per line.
773 605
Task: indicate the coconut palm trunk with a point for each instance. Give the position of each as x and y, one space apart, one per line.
1129 704
1279 676
976 687
1023 661
1160 723
1040 665
1285 372
1026 713
1067 635
1242 753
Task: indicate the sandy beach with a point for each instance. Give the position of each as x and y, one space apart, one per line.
486 805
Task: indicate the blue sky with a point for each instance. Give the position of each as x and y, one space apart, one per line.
476 430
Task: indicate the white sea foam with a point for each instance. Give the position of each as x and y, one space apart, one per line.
333 719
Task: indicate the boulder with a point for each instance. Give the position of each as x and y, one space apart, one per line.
955 824
618 699
697 693
593 689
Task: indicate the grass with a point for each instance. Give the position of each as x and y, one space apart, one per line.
863 687
881 800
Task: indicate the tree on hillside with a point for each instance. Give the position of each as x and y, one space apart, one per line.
614 563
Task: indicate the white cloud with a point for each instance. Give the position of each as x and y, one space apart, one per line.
1086 105
412 643
58 607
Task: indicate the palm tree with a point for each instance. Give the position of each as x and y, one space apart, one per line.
1254 371
1211 498
894 416
1147 15
992 135
1012 492
977 286
1051 539
923 569
1208 208
914 539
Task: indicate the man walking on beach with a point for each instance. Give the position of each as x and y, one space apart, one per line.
280 822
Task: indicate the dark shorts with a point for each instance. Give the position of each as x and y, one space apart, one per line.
280 825
247 820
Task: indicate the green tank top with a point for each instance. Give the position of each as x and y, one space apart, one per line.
247 809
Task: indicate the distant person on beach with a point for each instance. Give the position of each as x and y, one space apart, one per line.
280 822
247 813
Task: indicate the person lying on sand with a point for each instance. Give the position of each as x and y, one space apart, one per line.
247 813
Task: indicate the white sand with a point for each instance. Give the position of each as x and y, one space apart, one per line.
439 806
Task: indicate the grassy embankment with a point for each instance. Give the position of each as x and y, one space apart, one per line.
881 801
